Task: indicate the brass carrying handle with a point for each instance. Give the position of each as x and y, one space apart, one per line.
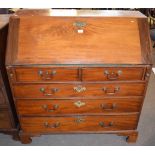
79 89
112 75
104 107
116 89
55 107
54 125
53 90
46 75
102 124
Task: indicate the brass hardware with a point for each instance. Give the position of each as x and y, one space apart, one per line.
79 104
79 24
42 89
55 125
55 107
116 89
112 75
79 120
102 124
104 107
79 89
53 90
47 75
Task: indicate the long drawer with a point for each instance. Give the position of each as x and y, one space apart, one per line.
85 106
78 90
79 124
4 119
47 74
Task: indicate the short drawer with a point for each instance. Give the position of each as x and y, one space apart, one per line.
46 74
5 122
78 90
78 123
83 106
112 73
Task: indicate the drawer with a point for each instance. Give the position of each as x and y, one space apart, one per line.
78 90
112 73
83 106
5 122
46 74
78 123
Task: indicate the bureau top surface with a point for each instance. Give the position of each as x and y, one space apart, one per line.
79 37
79 13
4 19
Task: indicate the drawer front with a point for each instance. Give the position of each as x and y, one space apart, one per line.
78 90
46 74
5 122
112 73
83 123
52 107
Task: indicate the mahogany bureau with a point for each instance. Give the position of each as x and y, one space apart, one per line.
75 71
8 118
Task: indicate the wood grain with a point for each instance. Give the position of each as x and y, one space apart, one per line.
88 123
69 106
126 73
60 36
76 12
43 74
12 43
67 90
109 103
5 122
32 74
146 47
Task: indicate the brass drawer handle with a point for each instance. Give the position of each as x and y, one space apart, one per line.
79 104
112 75
54 125
116 89
102 124
46 75
55 107
53 90
79 89
105 107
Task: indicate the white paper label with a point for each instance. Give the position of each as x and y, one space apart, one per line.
80 31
